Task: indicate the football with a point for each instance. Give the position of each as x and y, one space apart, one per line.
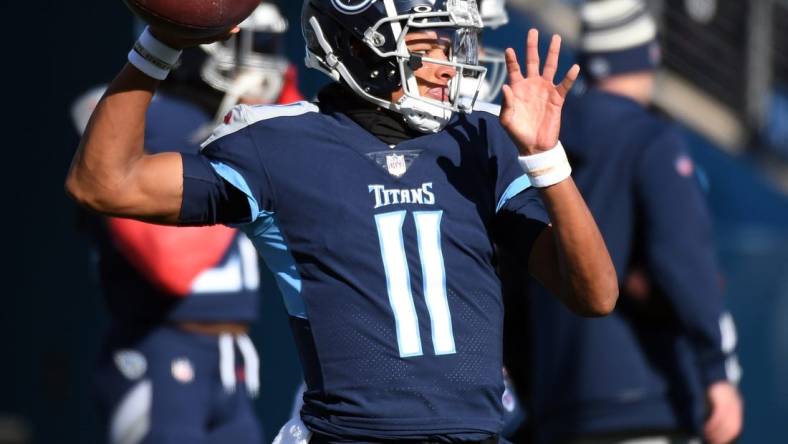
193 18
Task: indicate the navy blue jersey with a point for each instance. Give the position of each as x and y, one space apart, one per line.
224 287
384 256
643 367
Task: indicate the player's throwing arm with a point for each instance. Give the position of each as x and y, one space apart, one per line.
111 173
585 278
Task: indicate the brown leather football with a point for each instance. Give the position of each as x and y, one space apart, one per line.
193 18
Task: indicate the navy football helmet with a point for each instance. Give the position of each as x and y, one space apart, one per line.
362 43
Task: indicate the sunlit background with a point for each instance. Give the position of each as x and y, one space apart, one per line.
725 79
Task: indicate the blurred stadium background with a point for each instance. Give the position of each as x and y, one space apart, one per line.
725 79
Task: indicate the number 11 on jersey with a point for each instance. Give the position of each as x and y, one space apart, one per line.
400 293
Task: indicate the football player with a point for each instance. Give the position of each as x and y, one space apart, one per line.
377 209
177 364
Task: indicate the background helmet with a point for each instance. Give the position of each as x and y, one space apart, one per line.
362 43
494 15
250 64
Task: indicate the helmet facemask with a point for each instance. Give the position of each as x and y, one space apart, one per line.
428 114
459 24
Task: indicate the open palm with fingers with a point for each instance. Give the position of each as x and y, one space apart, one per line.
531 110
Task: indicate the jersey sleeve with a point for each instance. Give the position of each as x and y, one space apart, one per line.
520 215
680 253
510 179
517 225
226 182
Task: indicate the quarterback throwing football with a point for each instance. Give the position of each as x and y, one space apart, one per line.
377 208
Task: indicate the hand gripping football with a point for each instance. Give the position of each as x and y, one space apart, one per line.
193 18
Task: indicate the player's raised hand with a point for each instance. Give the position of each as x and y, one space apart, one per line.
531 110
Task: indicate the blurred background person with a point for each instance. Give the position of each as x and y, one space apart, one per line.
177 365
662 368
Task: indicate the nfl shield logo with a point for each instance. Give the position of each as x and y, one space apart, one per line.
395 163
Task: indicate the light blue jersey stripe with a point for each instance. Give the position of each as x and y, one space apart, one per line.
234 177
270 243
521 183
516 187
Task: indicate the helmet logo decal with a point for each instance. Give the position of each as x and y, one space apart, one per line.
352 6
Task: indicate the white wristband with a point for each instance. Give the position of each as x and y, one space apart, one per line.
548 167
153 57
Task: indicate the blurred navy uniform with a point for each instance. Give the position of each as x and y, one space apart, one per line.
643 371
177 365
158 381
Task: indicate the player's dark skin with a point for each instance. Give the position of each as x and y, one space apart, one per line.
112 174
